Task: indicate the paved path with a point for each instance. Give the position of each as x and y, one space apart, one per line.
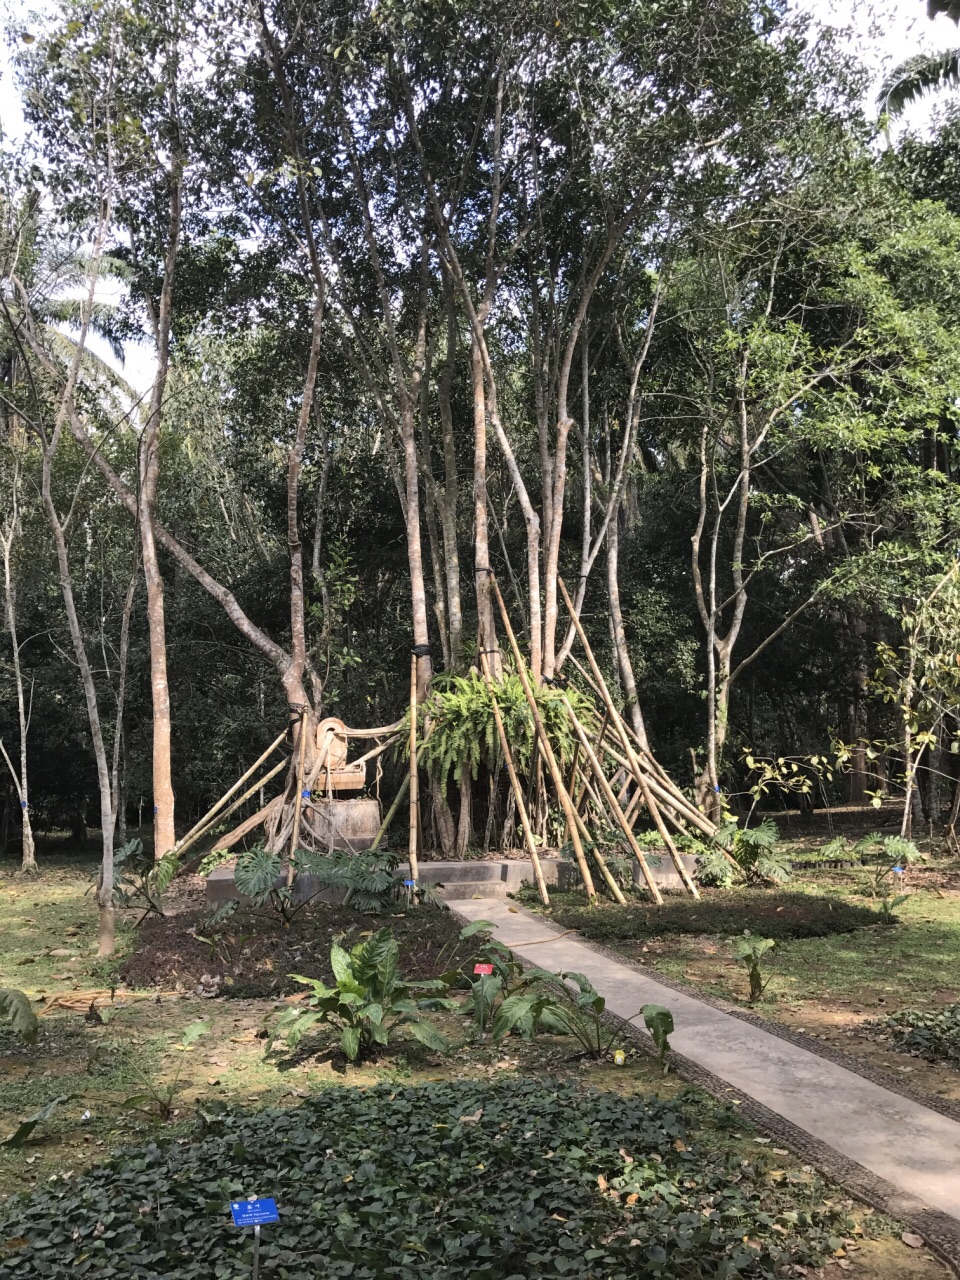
910 1146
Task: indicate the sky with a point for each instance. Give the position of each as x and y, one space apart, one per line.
882 32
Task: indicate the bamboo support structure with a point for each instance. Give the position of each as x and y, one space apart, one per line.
565 802
199 834
205 820
618 724
515 784
414 781
607 792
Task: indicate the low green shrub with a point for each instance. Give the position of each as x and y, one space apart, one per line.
770 913
485 1181
933 1034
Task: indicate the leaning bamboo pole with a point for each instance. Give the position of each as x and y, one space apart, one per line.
298 799
515 784
565 802
204 822
185 843
414 782
607 792
618 724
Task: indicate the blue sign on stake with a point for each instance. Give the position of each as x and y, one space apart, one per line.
252 1213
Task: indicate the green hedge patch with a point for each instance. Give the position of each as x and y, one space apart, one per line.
470 1180
767 912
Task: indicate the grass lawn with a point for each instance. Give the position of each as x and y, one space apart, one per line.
696 1150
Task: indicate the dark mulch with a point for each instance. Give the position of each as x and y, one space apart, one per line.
768 913
254 952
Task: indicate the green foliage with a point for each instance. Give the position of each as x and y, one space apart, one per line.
25 1128
933 1034
485 1180
659 1022
570 1004
368 1002
15 1007
755 850
156 1097
773 913
463 732
888 906
750 952
369 879
215 858
139 881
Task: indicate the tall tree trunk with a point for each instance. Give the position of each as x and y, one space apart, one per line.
105 885
627 679
119 818
21 780
448 508
164 833
487 633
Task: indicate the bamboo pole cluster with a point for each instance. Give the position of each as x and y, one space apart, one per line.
644 783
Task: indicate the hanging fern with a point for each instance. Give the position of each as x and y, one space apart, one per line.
463 732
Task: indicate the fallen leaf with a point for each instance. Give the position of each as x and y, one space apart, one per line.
911 1239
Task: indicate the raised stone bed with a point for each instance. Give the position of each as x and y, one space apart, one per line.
495 878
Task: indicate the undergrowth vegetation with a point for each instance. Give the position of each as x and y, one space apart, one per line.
933 1034
773 914
486 1181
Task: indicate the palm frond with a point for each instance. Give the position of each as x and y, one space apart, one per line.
923 73
950 7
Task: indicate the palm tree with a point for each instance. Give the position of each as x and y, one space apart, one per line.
923 73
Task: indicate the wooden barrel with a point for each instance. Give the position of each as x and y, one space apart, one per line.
351 825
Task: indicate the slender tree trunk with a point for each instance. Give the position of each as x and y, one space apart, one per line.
28 862
627 679
120 824
486 626
164 834
448 507
105 886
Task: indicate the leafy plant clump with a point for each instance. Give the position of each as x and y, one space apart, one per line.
369 1001
16 1009
750 952
767 912
463 731
486 1181
933 1034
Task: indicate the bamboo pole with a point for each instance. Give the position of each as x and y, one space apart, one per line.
628 749
205 820
397 801
414 780
661 783
185 843
565 802
298 801
684 812
586 835
607 792
515 784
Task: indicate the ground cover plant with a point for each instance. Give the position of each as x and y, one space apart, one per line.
933 1034
482 1180
770 913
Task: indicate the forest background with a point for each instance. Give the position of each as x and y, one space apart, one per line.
637 294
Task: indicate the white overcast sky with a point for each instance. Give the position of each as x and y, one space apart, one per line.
882 32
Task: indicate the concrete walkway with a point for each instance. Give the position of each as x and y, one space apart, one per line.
908 1145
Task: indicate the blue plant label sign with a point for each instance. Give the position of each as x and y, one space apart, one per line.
253 1213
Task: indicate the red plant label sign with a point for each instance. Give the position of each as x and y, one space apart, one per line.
485 969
